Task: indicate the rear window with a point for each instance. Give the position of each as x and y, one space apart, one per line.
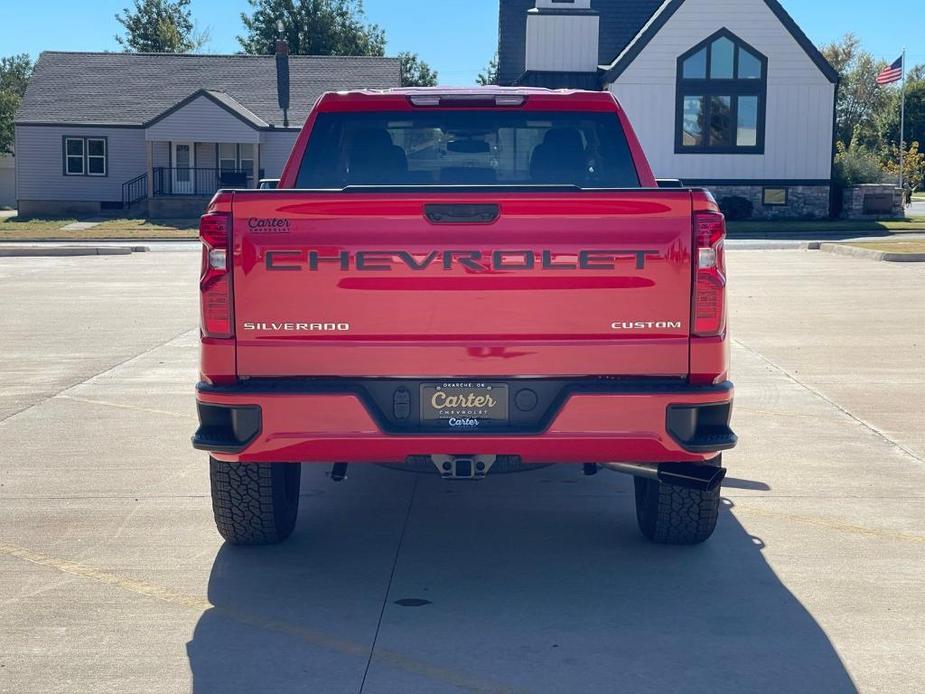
471 148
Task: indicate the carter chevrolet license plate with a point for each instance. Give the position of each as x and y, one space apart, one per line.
463 400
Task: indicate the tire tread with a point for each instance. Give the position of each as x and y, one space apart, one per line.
249 502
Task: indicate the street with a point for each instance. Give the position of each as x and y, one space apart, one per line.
113 578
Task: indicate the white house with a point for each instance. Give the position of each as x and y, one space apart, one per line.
726 94
161 132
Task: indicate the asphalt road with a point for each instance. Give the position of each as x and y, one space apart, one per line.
113 579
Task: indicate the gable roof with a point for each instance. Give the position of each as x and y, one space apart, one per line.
135 88
620 21
626 27
221 99
669 7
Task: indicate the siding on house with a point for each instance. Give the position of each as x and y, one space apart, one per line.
40 163
205 155
162 154
274 152
7 180
798 137
202 120
562 43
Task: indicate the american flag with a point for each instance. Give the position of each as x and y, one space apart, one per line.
891 74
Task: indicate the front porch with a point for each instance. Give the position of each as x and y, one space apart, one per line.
205 143
177 180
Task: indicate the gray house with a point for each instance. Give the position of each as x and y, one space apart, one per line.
726 94
162 132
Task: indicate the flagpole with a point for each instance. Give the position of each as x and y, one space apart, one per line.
902 132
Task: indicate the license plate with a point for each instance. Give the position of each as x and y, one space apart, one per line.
460 402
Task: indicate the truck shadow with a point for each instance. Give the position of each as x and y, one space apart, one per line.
534 582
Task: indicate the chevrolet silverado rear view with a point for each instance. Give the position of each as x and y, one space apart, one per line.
465 283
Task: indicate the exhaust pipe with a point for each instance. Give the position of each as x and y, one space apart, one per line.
703 478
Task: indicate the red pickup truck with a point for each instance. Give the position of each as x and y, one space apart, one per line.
465 282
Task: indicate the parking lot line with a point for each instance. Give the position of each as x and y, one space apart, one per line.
199 604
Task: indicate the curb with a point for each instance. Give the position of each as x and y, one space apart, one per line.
868 253
68 251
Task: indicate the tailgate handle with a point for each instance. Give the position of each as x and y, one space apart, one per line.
461 214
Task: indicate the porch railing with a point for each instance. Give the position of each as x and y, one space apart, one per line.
198 181
134 190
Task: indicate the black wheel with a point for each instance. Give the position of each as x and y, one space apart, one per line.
255 503
671 515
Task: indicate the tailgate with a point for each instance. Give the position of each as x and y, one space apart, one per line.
421 285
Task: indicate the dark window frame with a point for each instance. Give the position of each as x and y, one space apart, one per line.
764 193
734 88
85 155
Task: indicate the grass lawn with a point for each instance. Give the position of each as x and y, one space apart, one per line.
17 229
893 246
826 225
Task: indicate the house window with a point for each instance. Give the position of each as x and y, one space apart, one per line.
235 157
74 156
228 156
85 156
774 197
96 156
246 157
721 96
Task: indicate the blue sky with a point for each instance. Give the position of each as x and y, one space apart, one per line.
456 37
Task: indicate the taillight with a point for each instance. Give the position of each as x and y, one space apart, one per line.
215 279
709 303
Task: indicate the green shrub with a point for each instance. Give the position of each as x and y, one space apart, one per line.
856 165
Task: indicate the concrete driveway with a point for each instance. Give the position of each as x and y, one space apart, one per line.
113 579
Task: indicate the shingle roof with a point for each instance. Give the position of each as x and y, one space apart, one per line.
134 88
620 21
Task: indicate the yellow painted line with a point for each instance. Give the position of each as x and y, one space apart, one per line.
831 525
199 604
125 407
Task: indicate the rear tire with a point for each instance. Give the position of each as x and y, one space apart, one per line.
255 503
671 515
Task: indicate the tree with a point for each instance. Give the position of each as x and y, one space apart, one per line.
415 72
916 73
160 26
15 72
311 27
913 168
860 98
888 122
490 74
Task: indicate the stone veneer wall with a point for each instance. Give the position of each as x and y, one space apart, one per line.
853 201
803 202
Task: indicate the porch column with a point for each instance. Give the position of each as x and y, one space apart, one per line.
256 172
149 149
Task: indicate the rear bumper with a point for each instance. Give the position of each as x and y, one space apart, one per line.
595 420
